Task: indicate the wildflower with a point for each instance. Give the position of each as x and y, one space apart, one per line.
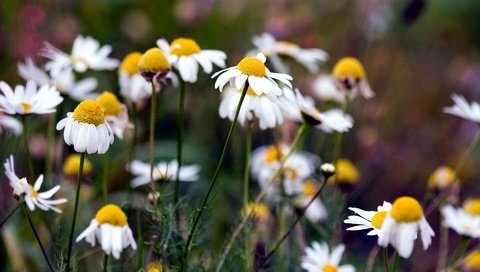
253 70
86 54
116 113
324 88
87 129
154 65
472 261
185 55
10 123
463 222
63 80
309 57
351 78
268 113
132 85
369 219
29 99
155 267
401 225
72 165
317 211
347 172
162 171
442 178
319 258
463 109
111 228
260 211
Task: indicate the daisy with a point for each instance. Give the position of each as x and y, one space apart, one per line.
253 70
309 57
185 55
441 178
110 228
72 165
319 258
401 225
154 66
86 128
317 211
29 99
86 54
463 222
369 219
463 109
162 171
325 89
260 211
10 123
132 85
351 79
116 113
347 172
267 112
472 261
63 80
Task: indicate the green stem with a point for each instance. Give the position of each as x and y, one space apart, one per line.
50 148
152 136
31 171
139 240
105 263
75 209
462 246
105 177
385 259
282 218
395 262
213 181
246 176
11 213
181 105
443 251
134 138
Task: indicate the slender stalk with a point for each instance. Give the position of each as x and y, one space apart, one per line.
139 240
372 256
181 105
47 259
385 259
31 171
105 177
395 262
443 251
50 148
246 175
462 246
214 179
131 154
105 263
282 218
75 209
152 136
11 213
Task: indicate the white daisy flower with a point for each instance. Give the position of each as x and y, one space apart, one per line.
132 85
268 113
401 225
309 57
319 258
351 79
154 67
253 70
368 219
161 171
442 178
317 211
63 80
110 228
29 99
86 54
86 128
10 123
463 109
460 220
185 55
325 89
116 113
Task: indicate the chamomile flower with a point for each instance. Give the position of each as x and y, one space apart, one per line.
72 165
347 172
86 54
10 123
154 66
351 79
63 80
441 178
253 70
365 220
317 211
116 113
308 57
185 55
319 258
402 224
463 222
325 89
28 99
260 211
472 262
463 109
132 85
161 171
86 128
110 228
267 112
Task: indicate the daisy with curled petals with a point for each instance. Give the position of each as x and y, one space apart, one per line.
161 171
319 258
28 99
463 109
462 221
185 55
402 224
253 71
86 54
116 113
10 123
132 85
325 89
110 228
368 219
86 128
442 177
351 79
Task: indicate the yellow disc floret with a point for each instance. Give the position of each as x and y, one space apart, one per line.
472 262
184 47
274 154
89 112
111 214
110 104
348 67
260 211
472 206
442 177
252 67
309 188
377 219
72 164
406 209
153 61
26 107
155 267
330 268
346 172
129 64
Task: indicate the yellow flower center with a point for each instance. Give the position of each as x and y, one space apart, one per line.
252 67
406 209
26 107
153 61
290 173
184 47
111 214
473 260
309 188
130 63
72 165
155 267
110 104
251 92
274 154
89 112
260 211
377 219
77 59
348 67
288 44
441 177
472 206
346 172
330 268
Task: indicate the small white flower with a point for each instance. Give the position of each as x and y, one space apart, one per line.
29 99
110 228
368 219
463 109
351 79
462 222
325 89
116 114
10 123
161 171
318 258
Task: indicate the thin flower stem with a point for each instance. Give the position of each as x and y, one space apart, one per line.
385 259
152 136
246 175
395 262
31 171
443 251
460 260
181 105
139 239
11 213
131 154
75 209
47 259
213 181
282 218
372 256
105 177
50 148
105 263
462 246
